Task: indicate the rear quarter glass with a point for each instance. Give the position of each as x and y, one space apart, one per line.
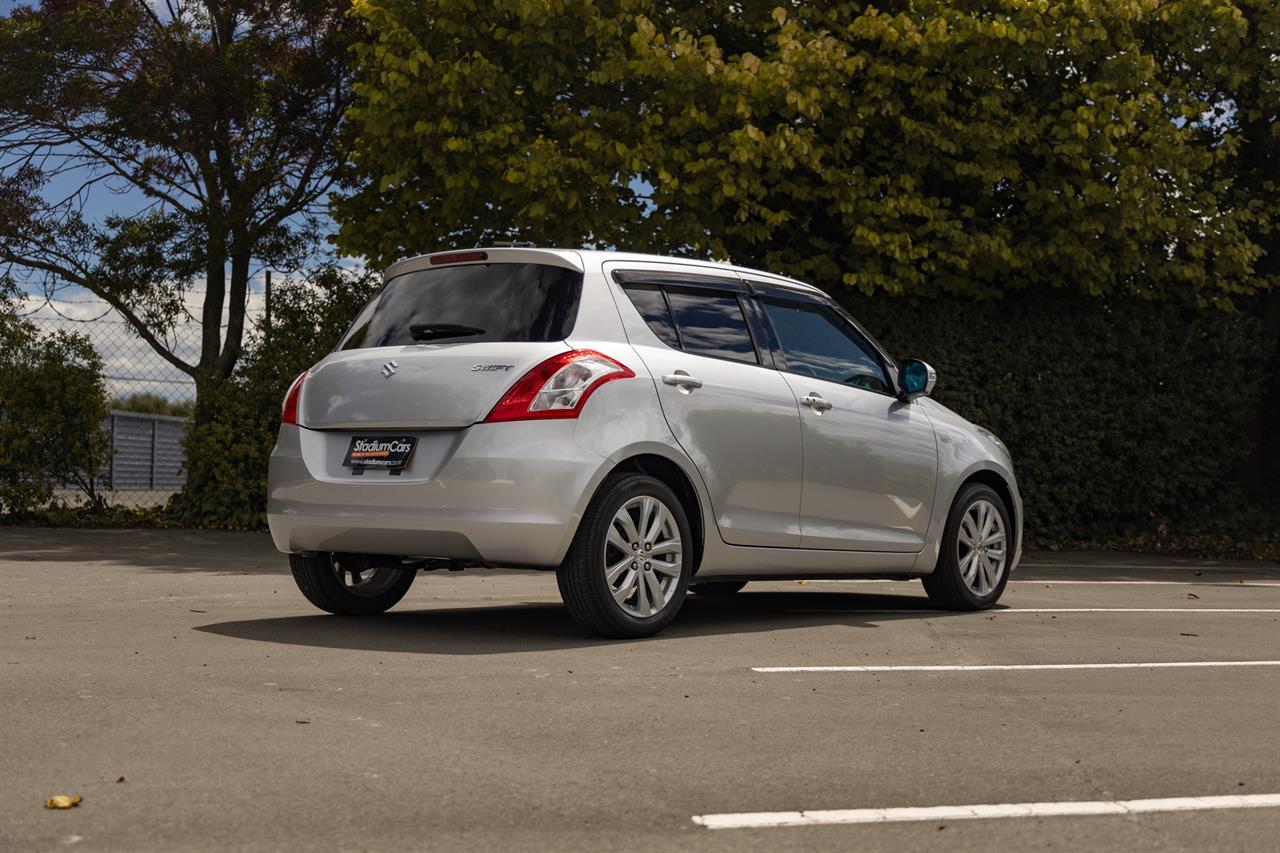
512 303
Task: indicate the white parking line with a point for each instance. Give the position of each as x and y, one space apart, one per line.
755 820
1184 567
1080 582
1138 610
988 667
1010 611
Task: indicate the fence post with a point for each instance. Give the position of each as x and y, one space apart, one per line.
151 473
111 462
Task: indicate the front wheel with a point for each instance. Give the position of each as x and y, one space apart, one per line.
627 571
973 567
347 586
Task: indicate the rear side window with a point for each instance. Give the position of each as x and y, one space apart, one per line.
711 323
652 306
473 302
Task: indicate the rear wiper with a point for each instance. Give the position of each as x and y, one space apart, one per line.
431 331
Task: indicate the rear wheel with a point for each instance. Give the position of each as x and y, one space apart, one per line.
717 587
627 572
973 567
348 586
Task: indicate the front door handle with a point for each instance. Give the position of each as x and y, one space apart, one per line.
683 381
814 401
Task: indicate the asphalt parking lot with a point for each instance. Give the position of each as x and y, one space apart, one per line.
180 684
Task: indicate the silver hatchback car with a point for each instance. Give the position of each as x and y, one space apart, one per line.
643 426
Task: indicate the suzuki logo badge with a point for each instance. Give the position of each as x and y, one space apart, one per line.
389 369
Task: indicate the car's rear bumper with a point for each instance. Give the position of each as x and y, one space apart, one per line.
502 494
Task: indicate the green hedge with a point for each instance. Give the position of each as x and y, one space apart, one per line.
1125 418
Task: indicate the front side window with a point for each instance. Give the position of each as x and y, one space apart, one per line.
472 302
711 323
816 341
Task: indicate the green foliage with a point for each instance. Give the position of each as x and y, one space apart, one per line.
52 407
153 404
926 148
1122 416
227 455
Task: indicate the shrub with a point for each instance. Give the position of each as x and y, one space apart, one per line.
52 407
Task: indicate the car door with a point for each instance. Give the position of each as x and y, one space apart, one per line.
870 460
728 408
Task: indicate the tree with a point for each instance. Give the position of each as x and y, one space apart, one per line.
222 114
925 148
52 408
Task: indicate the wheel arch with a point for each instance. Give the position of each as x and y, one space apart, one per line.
987 474
1001 486
674 477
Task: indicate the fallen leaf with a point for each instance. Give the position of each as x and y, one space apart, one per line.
303 722
121 779
62 801
1188 635
199 611
801 583
1192 595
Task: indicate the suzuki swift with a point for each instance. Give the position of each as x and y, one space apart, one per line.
642 426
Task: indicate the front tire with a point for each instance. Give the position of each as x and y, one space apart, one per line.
973 566
344 586
627 571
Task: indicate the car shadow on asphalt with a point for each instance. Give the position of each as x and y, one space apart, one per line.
544 626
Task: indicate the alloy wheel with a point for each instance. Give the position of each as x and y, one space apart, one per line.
981 548
643 556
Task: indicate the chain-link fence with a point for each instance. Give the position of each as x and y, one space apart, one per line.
151 400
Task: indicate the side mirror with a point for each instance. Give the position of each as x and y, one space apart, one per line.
916 378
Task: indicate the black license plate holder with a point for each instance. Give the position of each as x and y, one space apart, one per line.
384 452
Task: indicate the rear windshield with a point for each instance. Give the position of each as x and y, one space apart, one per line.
475 302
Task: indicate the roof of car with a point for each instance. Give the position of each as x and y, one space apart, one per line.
578 258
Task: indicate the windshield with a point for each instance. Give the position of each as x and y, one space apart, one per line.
472 302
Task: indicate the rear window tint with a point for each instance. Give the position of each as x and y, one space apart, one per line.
712 324
472 302
652 306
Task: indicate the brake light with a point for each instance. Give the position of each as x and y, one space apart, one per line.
458 258
289 411
558 387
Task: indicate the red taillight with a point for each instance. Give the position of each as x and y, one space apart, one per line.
289 411
459 258
558 387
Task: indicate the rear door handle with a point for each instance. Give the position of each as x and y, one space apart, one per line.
815 402
683 381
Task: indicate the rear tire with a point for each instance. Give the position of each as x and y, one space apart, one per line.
973 566
349 590
717 587
627 571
